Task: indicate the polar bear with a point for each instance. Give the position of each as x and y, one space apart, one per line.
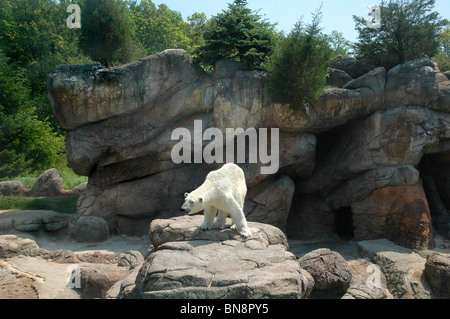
222 194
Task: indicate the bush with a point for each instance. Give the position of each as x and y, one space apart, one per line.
299 67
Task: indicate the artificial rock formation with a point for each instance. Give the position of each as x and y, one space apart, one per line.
337 154
194 264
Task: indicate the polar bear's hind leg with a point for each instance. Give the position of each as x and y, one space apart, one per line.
238 217
220 220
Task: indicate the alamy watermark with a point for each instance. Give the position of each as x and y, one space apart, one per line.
74 279
374 279
74 19
374 19
213 152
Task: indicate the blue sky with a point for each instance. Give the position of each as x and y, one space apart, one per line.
336 15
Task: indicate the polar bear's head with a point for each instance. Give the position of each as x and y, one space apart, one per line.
192 204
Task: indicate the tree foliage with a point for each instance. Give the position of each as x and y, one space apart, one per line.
158 28
237 34
409 30
34 39
443 55
104 33
299 67
27 144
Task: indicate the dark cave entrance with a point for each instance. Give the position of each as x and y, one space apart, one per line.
343 223
435 174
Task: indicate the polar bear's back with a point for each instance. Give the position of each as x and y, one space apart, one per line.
230 178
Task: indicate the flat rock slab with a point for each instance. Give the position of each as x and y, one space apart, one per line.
402 267
189 263
185 228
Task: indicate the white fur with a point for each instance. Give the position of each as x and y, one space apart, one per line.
222 194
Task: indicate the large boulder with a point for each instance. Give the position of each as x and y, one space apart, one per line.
9 188
217 264
185 228
337 78
48 184
402 267
11 246
418 82
437 272
368 281
90 229
352 66
330 271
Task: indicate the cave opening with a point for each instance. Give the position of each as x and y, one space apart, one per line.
343 222
435 175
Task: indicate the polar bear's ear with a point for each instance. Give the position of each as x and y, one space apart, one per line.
186 195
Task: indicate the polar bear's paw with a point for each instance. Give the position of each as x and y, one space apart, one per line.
218 225
245 232
205 226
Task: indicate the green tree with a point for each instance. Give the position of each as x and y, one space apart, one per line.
35 38
197 24
237 34
104 32
159 28
409 30
27 144
299 67
339 44
443 55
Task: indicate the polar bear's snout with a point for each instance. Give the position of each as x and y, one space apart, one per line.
185 208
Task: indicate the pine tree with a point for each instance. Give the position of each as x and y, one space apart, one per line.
237 34
104 32
409 30
299 67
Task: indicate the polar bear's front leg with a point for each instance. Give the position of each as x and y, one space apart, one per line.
209 215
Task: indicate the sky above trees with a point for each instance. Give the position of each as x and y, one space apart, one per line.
336 14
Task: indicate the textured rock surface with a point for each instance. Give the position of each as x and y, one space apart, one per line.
185 228
12 188
48 184
437 272
329 270
399 213
353 143
90 229
11 246
368 281
402 267
30 272
189 263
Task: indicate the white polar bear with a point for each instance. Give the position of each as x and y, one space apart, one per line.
222 194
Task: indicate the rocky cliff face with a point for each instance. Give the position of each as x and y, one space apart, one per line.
356 146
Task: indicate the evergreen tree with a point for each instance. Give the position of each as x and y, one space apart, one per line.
409 30
237 34
104 32
299 67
